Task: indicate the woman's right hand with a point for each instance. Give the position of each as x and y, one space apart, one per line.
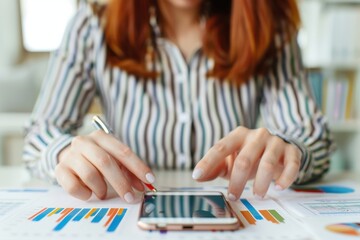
92 161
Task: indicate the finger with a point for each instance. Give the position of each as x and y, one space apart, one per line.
124 155
279 170
267 166
219 170
216 155
135 182
72 184
243 164
107 166
292 161
90 176
111 193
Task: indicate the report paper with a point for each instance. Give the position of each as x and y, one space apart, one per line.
53 214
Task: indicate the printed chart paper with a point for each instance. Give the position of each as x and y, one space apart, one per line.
307 207
12 199
56 215
339 189
344 228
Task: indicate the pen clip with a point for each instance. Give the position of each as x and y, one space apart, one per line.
101 125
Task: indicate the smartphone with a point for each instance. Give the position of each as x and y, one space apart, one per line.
187 211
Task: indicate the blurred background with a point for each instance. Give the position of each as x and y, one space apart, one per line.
329 38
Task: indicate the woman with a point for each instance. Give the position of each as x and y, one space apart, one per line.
182 84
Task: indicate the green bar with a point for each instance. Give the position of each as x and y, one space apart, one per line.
277 215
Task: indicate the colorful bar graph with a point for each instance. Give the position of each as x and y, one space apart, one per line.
117 220
43 214
267 215
91 213
249 218
252 210
81 214
67 219
252 215
110 218
277 216
100 215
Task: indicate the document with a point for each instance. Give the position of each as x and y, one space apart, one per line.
53 214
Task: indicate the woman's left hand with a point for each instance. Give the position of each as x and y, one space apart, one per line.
245 154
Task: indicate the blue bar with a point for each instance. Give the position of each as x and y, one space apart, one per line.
59 210
100 215
43 214
116 221
93 214
67 219
81 214
252 210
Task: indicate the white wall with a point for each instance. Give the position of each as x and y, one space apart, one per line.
10 43
21 75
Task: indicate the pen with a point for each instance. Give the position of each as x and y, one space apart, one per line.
101 125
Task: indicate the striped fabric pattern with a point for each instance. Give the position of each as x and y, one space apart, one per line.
172 121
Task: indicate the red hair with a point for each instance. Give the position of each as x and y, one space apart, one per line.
240 35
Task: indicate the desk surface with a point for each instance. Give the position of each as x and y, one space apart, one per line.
18 176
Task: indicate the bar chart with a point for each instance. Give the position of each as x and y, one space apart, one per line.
110 218
252 215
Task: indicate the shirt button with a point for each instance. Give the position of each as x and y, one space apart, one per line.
182 159
181 78
184 117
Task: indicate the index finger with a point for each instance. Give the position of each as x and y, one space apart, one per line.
218 153
122 153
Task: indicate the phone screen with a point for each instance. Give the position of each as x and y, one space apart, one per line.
185 206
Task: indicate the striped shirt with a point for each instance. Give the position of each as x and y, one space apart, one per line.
170 122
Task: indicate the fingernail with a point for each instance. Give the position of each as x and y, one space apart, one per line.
231 197
150 177
129 197
197 173
278 188
258 197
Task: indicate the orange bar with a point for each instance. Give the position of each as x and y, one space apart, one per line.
268 216
247 215
37 213
64 213
112 214
91 212
53 212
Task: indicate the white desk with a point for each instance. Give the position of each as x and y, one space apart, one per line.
18 176
12 177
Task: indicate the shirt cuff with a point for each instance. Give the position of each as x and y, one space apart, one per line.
51 154
306 168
